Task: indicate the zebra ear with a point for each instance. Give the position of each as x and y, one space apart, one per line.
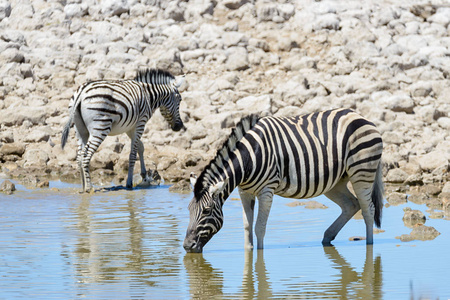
179 80
218 187
193 179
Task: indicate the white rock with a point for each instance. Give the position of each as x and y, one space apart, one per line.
255 104
433 160
5 9
12 55
175 11
114 7
327 21
442 16
234 38
400 103
275 12
13 36
237 59
444 122
75 10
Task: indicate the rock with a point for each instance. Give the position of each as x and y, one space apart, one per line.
424 233
35 158
13 149
6 137
401 103
442 16
275 12
327 21
413 217
182 187
414 179
446 188
393 138
255 104
234 4
237 59
114 7
5 9
37 136
444 122
7 187
421 233
75 10
396 176
312 204
12 55
433 160
175 11
396 198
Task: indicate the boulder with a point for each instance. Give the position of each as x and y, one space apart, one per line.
413 217
5 9
7 187
396 198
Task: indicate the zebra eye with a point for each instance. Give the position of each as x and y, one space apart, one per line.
207 211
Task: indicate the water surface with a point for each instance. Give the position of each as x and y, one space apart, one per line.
58 244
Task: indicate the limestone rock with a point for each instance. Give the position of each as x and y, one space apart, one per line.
7 187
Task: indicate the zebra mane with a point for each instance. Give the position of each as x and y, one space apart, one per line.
230 144
154 76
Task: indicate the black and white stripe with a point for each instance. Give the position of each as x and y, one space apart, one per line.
295 157
101 108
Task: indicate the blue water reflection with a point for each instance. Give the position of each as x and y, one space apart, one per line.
116 244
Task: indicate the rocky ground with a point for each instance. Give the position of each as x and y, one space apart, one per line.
389 60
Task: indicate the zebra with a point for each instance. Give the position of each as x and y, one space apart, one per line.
101 108
293 157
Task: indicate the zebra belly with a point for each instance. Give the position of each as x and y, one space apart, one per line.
116 129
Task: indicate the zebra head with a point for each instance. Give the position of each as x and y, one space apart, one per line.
170 106
206 216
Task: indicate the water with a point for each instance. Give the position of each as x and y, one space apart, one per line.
58 244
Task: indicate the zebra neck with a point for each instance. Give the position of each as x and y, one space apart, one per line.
156 93
234 173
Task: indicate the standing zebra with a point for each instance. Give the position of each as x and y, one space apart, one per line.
101 108
296 157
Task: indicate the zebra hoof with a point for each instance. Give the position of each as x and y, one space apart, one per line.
327 243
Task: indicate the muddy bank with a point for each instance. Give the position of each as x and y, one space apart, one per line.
387 60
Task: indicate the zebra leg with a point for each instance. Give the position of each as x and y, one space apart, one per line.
349 206
89 150
363 191
248 205
265 203
140 148
97 134
82 138
136 145
80 165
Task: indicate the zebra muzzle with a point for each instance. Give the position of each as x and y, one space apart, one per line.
177 126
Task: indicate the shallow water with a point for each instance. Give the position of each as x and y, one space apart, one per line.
58 244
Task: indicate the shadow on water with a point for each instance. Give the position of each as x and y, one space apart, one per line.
205 280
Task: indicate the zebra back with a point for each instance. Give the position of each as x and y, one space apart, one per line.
154 76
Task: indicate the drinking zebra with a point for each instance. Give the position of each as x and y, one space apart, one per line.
101 108
296 157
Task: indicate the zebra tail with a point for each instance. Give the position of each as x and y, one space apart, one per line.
378 195
66 129
65 133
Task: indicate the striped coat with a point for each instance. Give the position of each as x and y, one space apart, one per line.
295 157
